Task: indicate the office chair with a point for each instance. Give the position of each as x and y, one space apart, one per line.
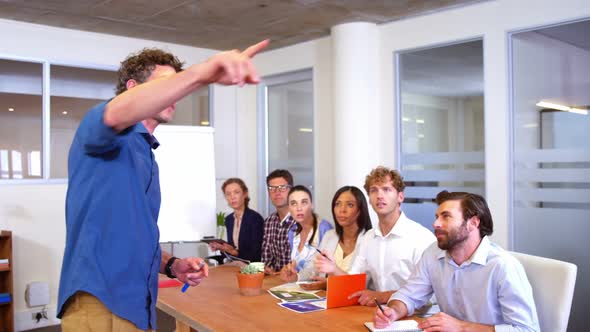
553 284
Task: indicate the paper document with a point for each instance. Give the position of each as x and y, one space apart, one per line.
397 326
303 307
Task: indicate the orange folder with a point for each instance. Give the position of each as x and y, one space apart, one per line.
340 287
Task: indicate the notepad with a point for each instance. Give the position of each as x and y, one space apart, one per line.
397 326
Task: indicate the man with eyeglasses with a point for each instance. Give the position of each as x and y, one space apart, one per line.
276 249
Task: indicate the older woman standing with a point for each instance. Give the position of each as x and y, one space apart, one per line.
245 227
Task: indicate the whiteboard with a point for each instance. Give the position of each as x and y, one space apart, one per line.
187 181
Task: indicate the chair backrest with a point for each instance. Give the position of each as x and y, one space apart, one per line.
553 284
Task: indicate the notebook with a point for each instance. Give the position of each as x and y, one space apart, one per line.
397 326
211 240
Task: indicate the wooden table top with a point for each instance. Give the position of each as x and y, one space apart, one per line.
216 305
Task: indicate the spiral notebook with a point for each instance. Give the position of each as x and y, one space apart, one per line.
397 326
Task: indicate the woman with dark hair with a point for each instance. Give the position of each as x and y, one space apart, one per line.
245 227
351 215
306 234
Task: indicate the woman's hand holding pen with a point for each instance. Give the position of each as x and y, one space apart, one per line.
190 270
289 272
324 263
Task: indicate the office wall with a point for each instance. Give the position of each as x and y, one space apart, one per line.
491 20
315 54
35 211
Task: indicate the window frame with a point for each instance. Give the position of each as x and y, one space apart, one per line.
305 74
46 112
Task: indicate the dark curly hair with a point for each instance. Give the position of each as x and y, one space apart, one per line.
139 66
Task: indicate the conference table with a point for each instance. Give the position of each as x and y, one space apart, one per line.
216 305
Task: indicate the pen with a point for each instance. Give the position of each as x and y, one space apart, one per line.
186 285
379 305
321 253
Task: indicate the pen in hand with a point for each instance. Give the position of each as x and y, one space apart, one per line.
186 285
321 253
380 308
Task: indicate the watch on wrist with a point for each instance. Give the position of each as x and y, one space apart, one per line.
168 267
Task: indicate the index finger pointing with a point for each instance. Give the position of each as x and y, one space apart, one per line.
254 49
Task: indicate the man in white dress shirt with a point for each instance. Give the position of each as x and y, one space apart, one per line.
478 285
390 252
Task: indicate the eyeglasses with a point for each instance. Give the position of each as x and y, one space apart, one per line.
281 188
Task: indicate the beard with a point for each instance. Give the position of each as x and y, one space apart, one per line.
165 116
161 119
453 238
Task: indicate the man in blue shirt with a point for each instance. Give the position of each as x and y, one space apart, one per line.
109 278
478 285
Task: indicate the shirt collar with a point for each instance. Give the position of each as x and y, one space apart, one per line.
286 218
398 229
151 139
480 256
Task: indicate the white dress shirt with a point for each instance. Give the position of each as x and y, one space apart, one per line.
389 260
490 288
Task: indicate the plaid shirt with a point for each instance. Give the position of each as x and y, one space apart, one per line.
276 249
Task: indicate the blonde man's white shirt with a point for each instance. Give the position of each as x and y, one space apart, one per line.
389 259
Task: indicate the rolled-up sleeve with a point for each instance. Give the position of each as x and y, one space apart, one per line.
417 290
94 135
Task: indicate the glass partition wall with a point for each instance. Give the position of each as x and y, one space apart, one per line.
285 111
551 155
35 136
442 128
21 120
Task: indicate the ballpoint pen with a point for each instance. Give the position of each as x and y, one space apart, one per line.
379 305
186 285
321 253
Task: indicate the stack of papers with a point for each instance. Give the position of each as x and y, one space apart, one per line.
338 290
297 299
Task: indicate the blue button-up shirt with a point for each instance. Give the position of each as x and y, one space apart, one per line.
113 200
490 288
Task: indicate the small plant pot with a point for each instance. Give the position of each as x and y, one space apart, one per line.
250 284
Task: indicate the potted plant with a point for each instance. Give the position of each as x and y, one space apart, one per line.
250 280
220 224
